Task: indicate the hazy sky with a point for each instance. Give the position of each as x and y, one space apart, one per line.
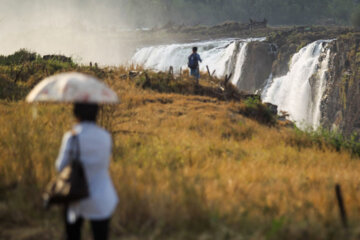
33 13
89 30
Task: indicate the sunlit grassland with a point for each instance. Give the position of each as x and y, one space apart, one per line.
185 167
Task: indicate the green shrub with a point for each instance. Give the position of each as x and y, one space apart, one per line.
255 109
324 138
20 57
355 18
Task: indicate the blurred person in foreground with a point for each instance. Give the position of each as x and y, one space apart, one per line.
193 64
95 150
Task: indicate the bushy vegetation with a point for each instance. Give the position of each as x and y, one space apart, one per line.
20 57
323 138
21 71
283 12
355 18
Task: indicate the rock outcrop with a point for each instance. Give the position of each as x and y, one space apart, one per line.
341 102
257 66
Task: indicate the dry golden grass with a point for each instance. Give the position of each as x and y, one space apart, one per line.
185 167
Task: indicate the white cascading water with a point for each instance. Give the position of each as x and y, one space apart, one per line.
293 93
236 78
321 89
222 56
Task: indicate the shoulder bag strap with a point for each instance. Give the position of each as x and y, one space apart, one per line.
75 147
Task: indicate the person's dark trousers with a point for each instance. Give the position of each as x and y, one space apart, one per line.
100 229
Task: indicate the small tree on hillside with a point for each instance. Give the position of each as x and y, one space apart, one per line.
355 18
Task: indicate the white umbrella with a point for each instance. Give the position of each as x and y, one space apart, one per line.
72 87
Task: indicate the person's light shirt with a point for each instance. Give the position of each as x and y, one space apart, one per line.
95 151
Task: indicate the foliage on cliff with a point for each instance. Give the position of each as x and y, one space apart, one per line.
214 11
355 17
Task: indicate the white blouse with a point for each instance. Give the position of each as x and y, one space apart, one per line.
95 150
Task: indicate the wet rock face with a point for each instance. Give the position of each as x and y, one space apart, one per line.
282 62
341 102
257 66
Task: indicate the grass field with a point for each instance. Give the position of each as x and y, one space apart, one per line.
185 165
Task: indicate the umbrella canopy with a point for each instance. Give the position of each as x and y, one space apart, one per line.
72 87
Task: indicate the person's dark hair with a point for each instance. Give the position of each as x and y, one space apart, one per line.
195 49
86 111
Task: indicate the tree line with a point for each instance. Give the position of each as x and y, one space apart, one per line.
277 12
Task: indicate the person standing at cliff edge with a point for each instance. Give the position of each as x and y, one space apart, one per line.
193 64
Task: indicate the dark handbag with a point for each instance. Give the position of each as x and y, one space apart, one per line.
70 185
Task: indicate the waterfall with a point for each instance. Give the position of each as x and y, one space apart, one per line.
236 78
300 91
323 74
222 56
